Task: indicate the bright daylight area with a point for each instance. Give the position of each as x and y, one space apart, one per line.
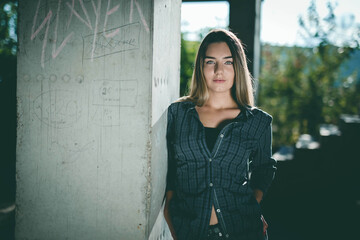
279 18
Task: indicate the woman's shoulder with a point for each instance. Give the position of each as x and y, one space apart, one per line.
182 103
260 114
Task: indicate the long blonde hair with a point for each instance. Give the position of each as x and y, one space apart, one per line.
242 90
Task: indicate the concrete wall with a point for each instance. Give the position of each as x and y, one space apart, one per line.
165 89
92 89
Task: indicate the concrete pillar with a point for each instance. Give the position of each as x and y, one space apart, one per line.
94 80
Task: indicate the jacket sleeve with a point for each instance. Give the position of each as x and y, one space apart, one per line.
262 165
170 178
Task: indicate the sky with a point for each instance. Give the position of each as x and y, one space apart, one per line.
213 14
279 18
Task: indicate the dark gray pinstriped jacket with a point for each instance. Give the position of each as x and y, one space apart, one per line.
225 177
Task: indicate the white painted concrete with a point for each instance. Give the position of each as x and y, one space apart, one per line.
166 50
165 89
91 161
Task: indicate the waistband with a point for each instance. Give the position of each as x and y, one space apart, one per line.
214 232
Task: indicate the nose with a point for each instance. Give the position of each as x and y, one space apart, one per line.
219 68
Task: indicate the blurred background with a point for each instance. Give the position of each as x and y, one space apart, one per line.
309 81
8 45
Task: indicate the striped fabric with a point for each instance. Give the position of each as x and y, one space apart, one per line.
224 177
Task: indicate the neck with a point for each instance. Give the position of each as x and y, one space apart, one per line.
220 101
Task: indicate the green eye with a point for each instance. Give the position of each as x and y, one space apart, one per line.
228 62
210 62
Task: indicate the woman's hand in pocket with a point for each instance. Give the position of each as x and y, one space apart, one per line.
265 225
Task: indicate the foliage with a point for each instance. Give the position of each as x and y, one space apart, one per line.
188 54
304 87
8 18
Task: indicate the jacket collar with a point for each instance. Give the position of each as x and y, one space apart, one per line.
246 111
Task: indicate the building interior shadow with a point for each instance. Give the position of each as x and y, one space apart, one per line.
320 203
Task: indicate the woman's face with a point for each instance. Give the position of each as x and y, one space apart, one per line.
218 68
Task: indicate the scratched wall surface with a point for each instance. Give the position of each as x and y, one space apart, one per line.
84 140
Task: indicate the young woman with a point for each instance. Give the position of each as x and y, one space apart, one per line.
219 149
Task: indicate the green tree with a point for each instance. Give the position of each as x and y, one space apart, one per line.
304 87
188 54
282 88
8 24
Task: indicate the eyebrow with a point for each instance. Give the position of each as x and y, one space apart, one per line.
215 58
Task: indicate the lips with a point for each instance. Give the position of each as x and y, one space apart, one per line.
219 80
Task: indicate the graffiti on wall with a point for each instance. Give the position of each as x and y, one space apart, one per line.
101 42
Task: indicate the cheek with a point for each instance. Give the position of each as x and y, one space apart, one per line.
232 75
207 68
207 72
230 71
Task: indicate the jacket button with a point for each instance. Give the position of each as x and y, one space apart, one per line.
211 184
221 135
218 210
210 159
227 235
